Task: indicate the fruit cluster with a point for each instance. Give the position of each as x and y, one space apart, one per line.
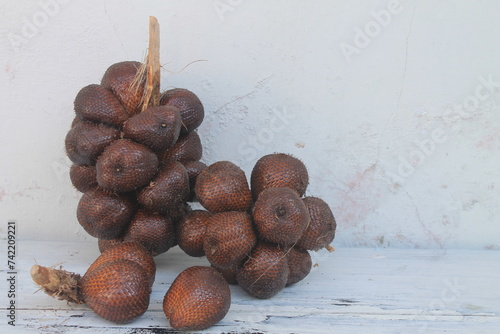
257 236
136 168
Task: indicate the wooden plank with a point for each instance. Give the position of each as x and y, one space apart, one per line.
351 290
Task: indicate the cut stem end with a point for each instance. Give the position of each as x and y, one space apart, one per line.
57 283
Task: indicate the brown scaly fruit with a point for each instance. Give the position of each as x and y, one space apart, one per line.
156 127
194 168
321 230
86 141
104 215
104 244
119 78
75 121
187 148
265 273
222 187
178 213
229 274
189 104
197 299
97 104
167 190
116 296
229 239
191 232
279 170
299 264
132 251
105 287
83 178
152 230
280 215
126 166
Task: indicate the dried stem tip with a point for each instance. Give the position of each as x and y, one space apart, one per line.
57 283
149 72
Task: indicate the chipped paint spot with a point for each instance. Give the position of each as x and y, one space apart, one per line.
379 240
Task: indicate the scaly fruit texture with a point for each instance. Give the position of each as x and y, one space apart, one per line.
280 215
279 170
266 271
222 187
229 238
117 286
197 299
262 245
191 232
321 230
156 127
131 163
189 105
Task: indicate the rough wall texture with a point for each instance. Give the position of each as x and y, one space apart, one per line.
393 106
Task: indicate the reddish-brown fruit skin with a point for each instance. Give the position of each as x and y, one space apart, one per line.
104 244
126 166
83 178
119 78
228 274
321 230
187 148
75 121
280 215
97 104
104 215
279 170
132 251
194 168
156 127
191 232
189 104
153 231
299 265
197 299
178 213
86 141
167 190
117 290
222 187
265 273
229 239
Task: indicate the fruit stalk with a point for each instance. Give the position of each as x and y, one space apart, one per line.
152 91
58 283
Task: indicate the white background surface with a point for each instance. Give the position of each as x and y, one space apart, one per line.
374 126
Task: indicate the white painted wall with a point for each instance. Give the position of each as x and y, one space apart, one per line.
371 116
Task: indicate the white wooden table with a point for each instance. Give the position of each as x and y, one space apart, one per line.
352 290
